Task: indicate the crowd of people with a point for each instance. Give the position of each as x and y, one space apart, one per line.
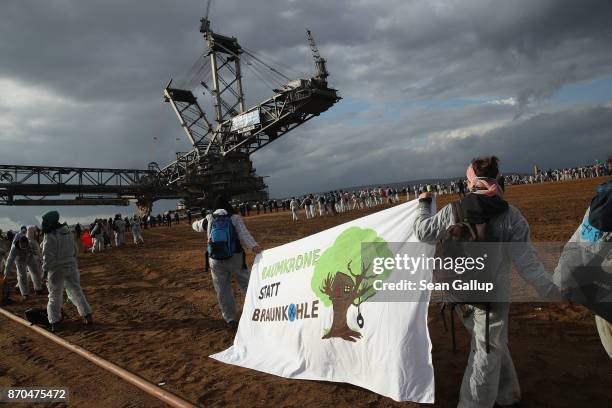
46 257
103 232
564 174
334 202
49 255
24 251
339 201
490 377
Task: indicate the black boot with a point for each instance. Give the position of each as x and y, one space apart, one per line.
88 320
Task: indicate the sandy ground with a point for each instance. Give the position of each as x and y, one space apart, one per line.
156 315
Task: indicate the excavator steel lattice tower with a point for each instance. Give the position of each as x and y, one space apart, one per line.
219 160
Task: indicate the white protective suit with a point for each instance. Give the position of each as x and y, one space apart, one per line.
136 231
26 262
294 207
4 250
97 236
222 270
119 227
33 235
60 267
490 378
582 247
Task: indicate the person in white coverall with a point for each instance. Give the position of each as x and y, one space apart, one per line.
294 207
22 231
119 228
60 270
136 230
592 240
4 249
23 254
321 202
223 269
33 235
490 377
97 236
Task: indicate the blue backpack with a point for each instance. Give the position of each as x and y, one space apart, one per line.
222 241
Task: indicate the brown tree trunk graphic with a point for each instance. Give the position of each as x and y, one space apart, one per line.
342 290
339 326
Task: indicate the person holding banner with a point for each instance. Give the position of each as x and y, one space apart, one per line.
490 376
583 272
227 235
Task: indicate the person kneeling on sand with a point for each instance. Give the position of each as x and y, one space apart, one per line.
60 270
227 234
490 376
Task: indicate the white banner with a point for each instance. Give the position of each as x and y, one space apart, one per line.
311 312
246 120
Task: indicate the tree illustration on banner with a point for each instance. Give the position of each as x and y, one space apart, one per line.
343 276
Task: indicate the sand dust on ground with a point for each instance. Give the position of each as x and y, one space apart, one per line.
156 315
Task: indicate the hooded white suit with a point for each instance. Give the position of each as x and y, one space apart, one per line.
60 268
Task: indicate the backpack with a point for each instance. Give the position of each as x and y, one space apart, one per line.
461 240
464 239
222 240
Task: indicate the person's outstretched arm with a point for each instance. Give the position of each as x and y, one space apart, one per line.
525 257
428 227
246 239
200 225
10 260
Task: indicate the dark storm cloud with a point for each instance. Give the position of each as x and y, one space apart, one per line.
126 50
93 73
556 139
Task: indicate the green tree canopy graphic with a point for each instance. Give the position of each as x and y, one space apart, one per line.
344 276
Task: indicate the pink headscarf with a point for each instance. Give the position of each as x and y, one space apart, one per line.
483 185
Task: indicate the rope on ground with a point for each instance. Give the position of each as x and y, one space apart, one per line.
150 388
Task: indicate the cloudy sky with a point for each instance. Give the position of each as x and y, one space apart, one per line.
426 85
